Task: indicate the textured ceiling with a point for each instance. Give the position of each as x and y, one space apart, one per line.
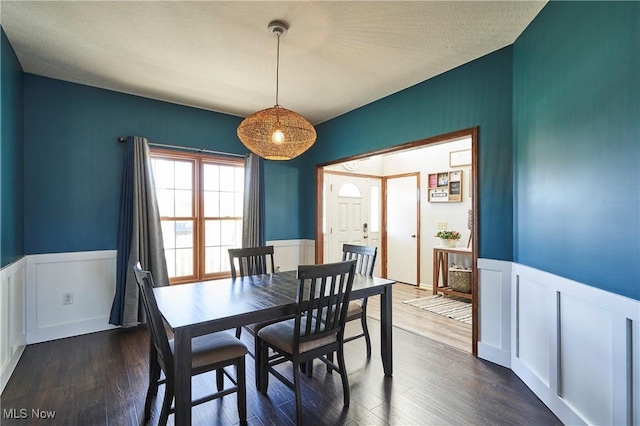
219 56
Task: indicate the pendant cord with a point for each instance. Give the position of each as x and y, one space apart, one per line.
277 66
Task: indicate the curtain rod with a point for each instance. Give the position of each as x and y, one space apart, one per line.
122 139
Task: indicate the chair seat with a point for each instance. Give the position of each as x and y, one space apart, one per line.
255 328
214 348
281 335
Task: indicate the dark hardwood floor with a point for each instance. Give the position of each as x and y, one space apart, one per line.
100 379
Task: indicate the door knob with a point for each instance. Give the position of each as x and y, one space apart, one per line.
413 236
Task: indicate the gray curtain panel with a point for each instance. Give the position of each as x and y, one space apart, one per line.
253 213
140 234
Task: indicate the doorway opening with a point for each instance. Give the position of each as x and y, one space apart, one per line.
393 199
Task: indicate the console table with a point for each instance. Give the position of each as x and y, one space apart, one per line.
441 270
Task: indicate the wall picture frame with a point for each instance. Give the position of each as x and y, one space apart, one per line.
460 158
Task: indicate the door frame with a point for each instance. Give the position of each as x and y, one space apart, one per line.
470 132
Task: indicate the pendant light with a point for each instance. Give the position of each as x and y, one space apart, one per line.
277 133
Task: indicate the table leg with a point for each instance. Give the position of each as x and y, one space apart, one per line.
386 330
436 272
182 376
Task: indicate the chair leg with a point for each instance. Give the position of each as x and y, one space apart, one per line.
296 386
343 375
242 390
220 379
330 358
238 332
166 405
152 390
257 356
365 329
264 366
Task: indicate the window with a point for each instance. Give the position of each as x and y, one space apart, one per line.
200 201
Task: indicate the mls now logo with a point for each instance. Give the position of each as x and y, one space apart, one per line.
23 413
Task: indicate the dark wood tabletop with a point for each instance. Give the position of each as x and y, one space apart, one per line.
206 307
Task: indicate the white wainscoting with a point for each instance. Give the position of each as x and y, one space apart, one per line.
577 347
12 317
89 276
288 254
31 296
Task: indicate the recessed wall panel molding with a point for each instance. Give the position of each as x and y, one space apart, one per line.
494 294
288 254
576 347
69 293
12 317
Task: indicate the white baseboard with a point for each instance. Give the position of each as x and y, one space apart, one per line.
70 329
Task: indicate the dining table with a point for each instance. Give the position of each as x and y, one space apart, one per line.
196 309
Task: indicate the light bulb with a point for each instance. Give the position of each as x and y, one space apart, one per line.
277 136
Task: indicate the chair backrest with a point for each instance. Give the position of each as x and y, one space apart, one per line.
364 255
251 261
154 320
322 300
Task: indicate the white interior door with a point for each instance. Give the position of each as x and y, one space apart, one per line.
402 229
352 214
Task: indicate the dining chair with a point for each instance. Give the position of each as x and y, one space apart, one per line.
365 256
316 330
252 261
211 352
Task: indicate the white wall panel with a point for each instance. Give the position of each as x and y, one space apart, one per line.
90 276
586 363
494 294
12 317
288 254
533 320
90 281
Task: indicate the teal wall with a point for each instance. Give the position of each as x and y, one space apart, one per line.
577 144
559 136
476 94
73 167
11 155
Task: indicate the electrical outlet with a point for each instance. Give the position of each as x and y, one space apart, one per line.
442 226
67 298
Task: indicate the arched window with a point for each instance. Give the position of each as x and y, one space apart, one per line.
350 190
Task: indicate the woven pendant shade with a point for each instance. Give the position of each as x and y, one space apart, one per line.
277 133
256 133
